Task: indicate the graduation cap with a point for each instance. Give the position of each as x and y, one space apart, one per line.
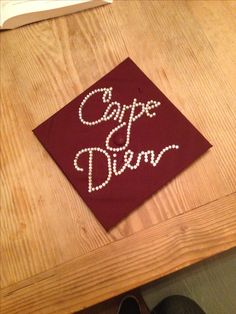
120 141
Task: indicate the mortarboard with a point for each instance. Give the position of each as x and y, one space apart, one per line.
120 141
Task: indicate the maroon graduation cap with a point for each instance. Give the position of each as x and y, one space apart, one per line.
120 141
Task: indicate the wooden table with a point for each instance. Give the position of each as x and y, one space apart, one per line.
56 257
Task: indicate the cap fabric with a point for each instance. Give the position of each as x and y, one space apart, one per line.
120 141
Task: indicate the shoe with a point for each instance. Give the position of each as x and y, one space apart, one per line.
177 304
129 305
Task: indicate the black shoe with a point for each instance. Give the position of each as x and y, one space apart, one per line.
129 305
177 304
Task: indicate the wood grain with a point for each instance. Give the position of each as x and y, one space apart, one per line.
115 268
211 284
220 36
188 50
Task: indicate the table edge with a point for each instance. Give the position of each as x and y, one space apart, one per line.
127 263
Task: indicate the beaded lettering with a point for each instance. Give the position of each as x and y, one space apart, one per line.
115 111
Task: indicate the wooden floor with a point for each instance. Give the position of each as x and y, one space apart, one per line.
55 256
